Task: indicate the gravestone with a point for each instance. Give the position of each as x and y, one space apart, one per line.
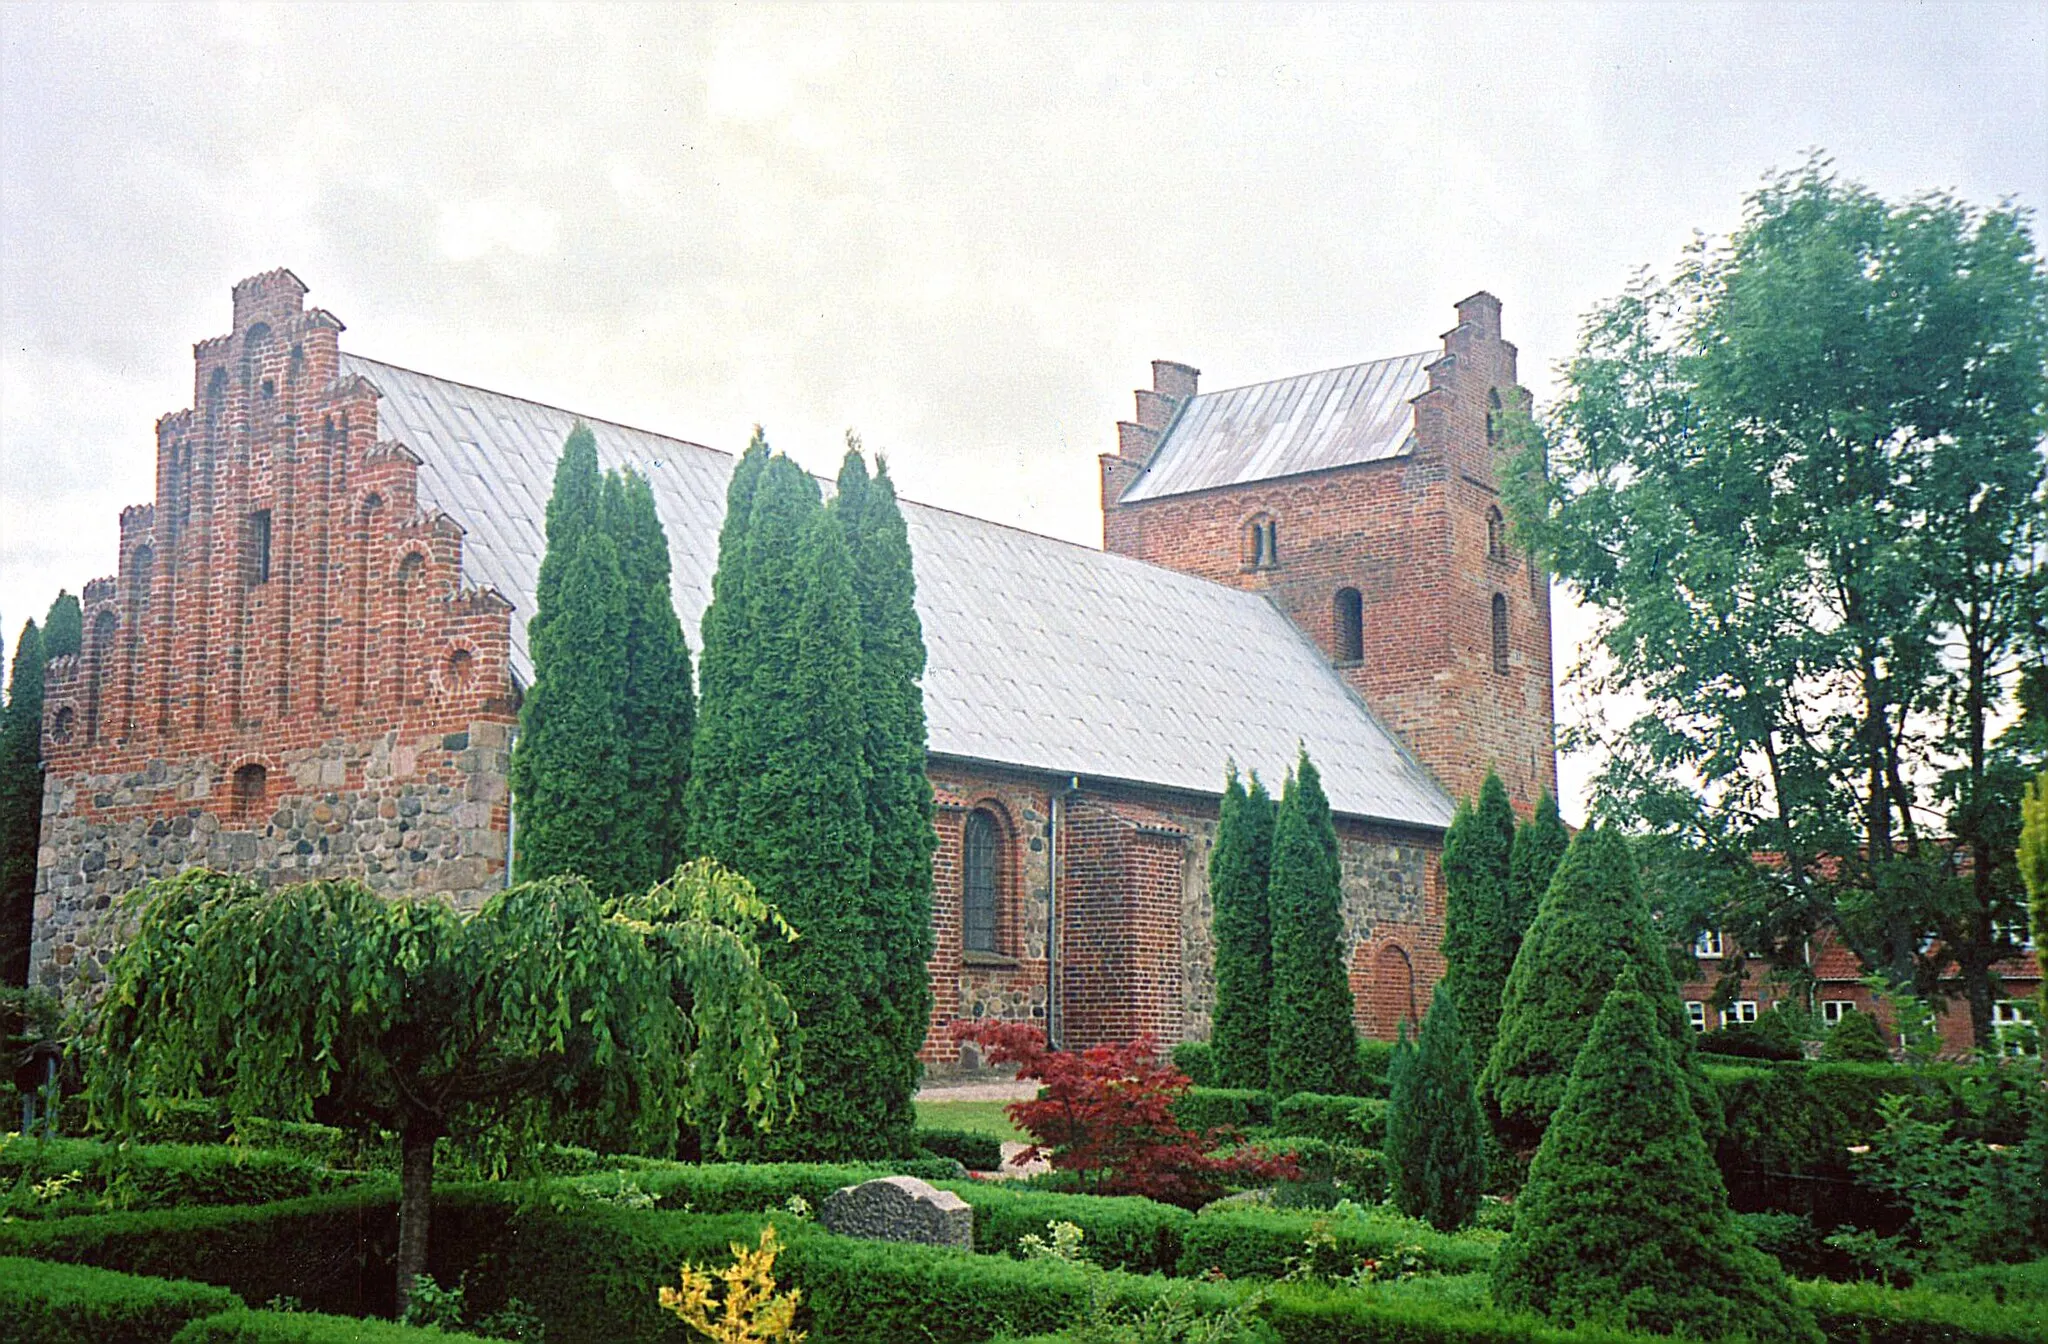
900 1208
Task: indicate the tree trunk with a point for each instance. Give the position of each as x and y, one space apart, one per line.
415 1206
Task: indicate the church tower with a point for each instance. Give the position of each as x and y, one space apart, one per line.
1365 503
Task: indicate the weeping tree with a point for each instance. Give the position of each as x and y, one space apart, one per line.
544 1013
1238 866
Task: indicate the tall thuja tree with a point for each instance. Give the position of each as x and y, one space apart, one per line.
570 776
898 792
712 813
1243 934
1593 923
1480 937
21 802
63 628
1436 1136
1314 1046
1624 1222
800 828
2033 866
1540 843
657 708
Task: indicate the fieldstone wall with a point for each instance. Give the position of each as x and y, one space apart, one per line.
404 817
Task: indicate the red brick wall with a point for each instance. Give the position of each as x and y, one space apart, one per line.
1410 534
357 670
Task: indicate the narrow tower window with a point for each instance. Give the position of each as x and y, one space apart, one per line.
1493 410
1496 533
1261 543
259 547
1500 633
980 862
1349 618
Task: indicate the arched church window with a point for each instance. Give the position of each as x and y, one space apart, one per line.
1496 533
1500 633
1348 618
981 872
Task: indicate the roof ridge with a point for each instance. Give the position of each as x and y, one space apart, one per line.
1312 373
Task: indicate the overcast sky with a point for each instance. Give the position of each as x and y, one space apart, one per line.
963 231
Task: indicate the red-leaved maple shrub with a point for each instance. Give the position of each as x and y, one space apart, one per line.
1106 1115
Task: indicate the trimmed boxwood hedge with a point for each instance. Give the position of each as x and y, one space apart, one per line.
1997 1283
305 1327
1257 1243
46 1303
1205 1108
154 1176
1139 1235
1360 1122
1196 1059
1850 1313
976 1152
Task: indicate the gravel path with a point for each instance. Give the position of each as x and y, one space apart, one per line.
1008 1089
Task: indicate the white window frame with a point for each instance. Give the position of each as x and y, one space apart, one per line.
1832 1011
2012 1017
1741 1013
1710 945
2020 932
1696 1013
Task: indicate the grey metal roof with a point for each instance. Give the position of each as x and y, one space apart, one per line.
1042 653
1336 418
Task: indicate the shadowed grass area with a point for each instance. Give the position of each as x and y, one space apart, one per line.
977 1117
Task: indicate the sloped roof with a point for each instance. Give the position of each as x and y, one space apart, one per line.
1336 418
1042 653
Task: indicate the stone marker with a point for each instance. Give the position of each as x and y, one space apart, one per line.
900 1208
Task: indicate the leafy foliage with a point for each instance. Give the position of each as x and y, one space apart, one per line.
1436 1136
328 1001
749 1310
1800 482
1107 1114
1238 871
2033 866
1314 1047
718 767
1481 935
1592 923
1624 1220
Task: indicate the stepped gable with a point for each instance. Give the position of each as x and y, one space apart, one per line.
1042 653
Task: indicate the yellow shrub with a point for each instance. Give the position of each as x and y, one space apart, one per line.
750 1311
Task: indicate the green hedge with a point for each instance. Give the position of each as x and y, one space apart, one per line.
1373 1058
1866 1313
1350 1172
1196 1059
45 1303
304 1327
1997 1283
1258 1243
1139 1235
976 1152
151 1176
1206 1108
1358 1121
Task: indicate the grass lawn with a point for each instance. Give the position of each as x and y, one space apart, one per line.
977 1117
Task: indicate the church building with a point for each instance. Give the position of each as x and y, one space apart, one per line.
310 661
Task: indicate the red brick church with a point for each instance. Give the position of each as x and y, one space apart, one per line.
311 659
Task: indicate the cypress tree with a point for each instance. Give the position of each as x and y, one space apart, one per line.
570 779
1593 922
1539 847
1624 1222
657 709
712 814
1314 1046
63 628
575 510
1480 938
1436 1136
1242 927
21 803
898 793
799 830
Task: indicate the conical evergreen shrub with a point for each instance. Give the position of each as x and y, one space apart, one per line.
657 706
63 627
712 815
1539 847
1238 866
1593 921
1436 1135
1480 937
21 802
1314 1046
899 793
1624 1221
1856 1039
